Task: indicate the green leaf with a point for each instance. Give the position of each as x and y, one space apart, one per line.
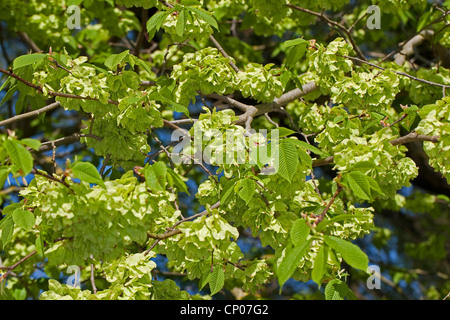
39 243
320 263
136 234
7 81
181 23
155 22
374 185
19 156
5 294
28 59
290 261
7 227
358 184
423 20
173 104
155 176
32 143
177 181
87 172
287 158
307 146
4 172
321 226
305 159
246 189
295 42
336 290
190 3
299 232
116 59
351 253
285 77
296 49
24 219
282 132
227 191
203 15
20 293
217 280
141 64
206 275
9 94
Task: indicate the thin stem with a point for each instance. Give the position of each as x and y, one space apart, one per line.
324 212
30 114
332 23
105 162
223 52
49 177
92 278
399 73
171 231
402 140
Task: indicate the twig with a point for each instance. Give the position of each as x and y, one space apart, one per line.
30 114
51 93
105 162
140 36
357 21
235 265
324 212
94 287
30 43
54 157
10 190
402 140
223 52
270 120
448 295
15 265
49 177
45 146
11 268
199 163
399 73
164 235
171 230
163 148
332 23
414 137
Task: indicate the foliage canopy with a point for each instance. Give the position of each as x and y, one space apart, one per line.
358 123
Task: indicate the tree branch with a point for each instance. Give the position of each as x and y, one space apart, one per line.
51 93
30 114
49 177
66 140
222 51
30 43
402 140
330 22
260 109
412 136
28 256
171 231
443 86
